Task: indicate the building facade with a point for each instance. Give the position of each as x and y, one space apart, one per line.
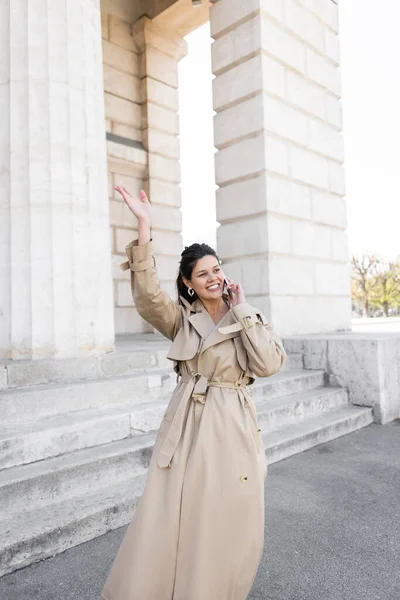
89 92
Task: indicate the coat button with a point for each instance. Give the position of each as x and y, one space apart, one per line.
259 429
243 478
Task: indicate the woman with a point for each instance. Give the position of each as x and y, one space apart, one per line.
198 529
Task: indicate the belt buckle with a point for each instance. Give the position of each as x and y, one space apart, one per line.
247 322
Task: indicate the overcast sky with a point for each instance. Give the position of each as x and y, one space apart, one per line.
370 55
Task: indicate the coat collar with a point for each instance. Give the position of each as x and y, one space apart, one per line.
204 325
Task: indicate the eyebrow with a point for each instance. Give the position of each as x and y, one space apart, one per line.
204 270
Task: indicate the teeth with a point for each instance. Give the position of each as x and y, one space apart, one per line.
213 287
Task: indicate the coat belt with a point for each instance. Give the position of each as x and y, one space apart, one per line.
196 389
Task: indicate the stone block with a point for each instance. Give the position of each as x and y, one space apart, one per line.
132 184
163 192
279 234
291 275
322 71
104 25
121 59
119 166
250 234
288 198
123 293
325 140
127 320
230 199
166 217
3 377
158 117
122 238
160 93
108 125
308 167
160 66
305 94
136 156
121 84
258 73
233 47
258 113
162 143
332 279
283 45
297 314
246 118
120 33
122 111
332 46
326 10
329 209
336 178
244 158
334 112
167 267
167 169
340 245
132 133
121 216
302 235
225 14
305 25
167 242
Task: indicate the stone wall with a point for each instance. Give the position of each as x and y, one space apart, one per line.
141 110
279 166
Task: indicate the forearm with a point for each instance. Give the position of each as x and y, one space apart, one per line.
143 232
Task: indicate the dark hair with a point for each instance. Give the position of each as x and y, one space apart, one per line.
189 257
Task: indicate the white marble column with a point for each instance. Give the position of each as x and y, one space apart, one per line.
279 161
55 261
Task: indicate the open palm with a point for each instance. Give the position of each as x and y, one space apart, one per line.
140 207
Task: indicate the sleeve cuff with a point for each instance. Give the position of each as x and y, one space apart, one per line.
244 309
138 255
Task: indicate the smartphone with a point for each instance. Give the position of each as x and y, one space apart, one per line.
226 288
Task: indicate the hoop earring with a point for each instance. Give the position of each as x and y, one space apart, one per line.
191 292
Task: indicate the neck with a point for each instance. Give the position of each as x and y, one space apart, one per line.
214 307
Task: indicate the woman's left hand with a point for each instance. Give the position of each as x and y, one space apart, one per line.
236 292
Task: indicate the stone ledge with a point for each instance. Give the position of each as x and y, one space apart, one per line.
367 364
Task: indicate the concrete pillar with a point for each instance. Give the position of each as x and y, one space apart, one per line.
279 162
159 55
55 291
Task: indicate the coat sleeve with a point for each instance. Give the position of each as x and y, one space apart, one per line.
152 303
264 349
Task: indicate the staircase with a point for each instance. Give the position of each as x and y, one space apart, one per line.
77 437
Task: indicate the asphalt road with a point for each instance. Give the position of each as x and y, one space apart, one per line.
332 531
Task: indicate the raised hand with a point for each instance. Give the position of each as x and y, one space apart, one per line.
235 291
140 207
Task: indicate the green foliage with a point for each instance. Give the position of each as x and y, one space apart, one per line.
375 283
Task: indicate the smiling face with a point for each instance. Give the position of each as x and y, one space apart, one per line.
207 278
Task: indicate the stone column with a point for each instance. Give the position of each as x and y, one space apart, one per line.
279 162
55 291
160 52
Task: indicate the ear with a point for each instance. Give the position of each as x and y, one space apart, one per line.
186 282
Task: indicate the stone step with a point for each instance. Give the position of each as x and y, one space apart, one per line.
25 443
31 536
279 412
295 438
24 405
134 354
63 477
286 382
26 537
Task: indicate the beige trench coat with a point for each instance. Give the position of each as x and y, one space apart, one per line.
198 529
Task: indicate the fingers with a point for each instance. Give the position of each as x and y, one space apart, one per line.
143 196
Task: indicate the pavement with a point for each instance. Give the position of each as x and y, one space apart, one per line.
332 531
